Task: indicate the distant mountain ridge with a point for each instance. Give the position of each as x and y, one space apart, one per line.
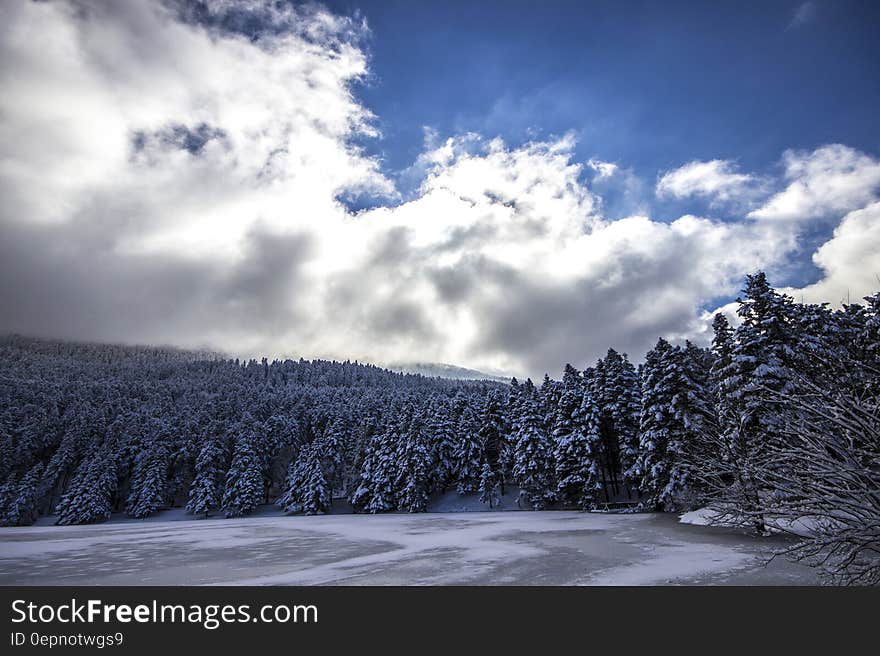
442 370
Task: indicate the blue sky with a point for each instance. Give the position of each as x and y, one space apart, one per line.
506 186
646 84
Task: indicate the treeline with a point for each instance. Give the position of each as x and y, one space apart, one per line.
774 427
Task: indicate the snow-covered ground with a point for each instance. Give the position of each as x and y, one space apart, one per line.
708 517
479 548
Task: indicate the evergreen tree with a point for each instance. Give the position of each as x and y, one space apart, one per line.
489 486
869 341
695 407
315 493
762 349
577 456
8 456
567 401
442 435
750 385
206 491
661 432
615 386
376 492
149 486
23 509
89 498
243 490
468 453
332 452
413 482
549 394
532 468
8 493
493 435
722 350
297 473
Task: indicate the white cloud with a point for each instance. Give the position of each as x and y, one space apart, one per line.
828 181
92 92
850 260
717 180
602 169
166 181
511 265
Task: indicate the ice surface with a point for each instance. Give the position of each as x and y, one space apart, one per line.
480 548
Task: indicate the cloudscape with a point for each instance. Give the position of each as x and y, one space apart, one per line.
231 175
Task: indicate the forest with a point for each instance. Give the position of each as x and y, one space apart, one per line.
775 427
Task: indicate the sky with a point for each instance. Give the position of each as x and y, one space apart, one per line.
507 186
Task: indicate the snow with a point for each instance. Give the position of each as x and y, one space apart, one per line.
471 548
699 517
667 563
452 502
803 527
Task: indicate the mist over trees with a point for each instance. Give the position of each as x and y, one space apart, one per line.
775 427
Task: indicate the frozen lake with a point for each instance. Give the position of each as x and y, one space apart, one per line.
517 548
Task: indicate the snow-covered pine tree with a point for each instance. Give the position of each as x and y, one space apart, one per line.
282 431
333 440
751 384
823 471
489 486
698 363
695 407
578 456
7 495
615 386
468 452
763 349
243 489
290 499
89 496
869 340
722 352
442 438
413 481
23 509
493 434
376 492
315 493
149 485
8 456
713 458
69 453
863 340
563 426
206 491
587 420
511 417
661 431
532 467
549 394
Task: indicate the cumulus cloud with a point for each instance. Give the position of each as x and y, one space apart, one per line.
175 174
828 181
137 141
104 104
850 260
717 180
503 260
603 169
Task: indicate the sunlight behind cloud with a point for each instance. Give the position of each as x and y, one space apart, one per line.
174 181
